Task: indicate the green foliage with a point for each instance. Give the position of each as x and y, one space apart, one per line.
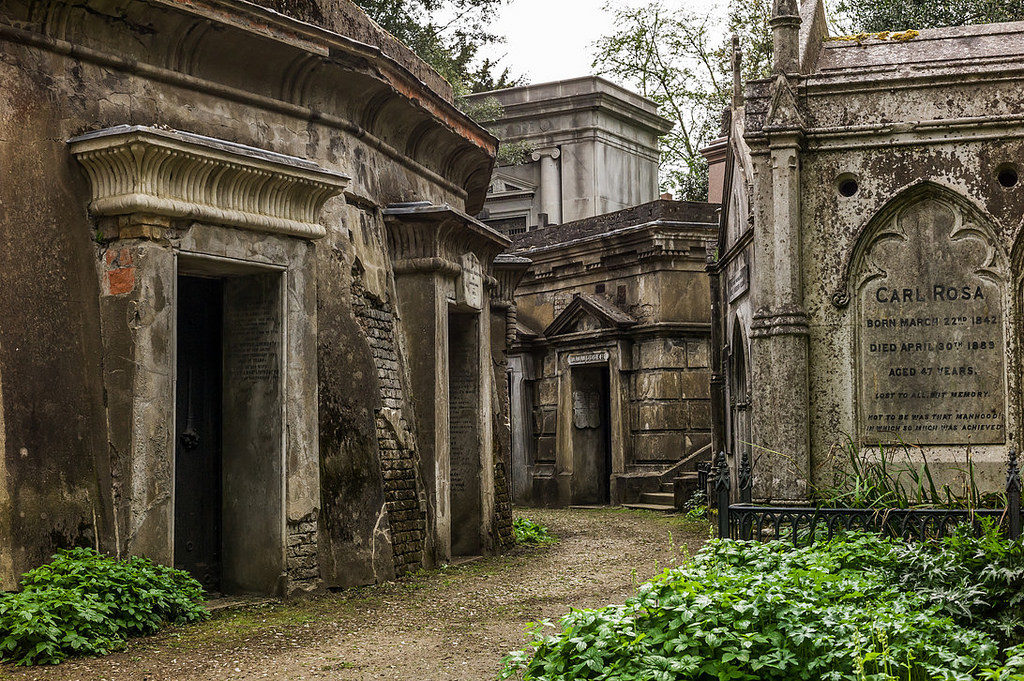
674 56
84 603
514 153
888 476
451 45
855 16
858 608
697 506
530 533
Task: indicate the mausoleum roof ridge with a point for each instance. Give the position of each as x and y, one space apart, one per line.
660 211
579 85
960 47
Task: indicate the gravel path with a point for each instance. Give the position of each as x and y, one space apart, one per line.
452 624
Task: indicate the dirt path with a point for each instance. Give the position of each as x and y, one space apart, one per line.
452 624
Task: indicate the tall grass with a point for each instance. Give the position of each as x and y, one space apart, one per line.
897 476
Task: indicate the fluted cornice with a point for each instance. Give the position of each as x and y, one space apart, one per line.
425 237
509 270
174 174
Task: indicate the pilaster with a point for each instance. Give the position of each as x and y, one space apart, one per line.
779 331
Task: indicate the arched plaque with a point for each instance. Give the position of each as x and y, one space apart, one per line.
930 358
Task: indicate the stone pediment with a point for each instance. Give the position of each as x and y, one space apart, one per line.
588 312
503 184
174 174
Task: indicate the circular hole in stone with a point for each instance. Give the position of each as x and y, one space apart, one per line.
1007 176
848 186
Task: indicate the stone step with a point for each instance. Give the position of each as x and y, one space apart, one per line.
664 498
651 507
690 479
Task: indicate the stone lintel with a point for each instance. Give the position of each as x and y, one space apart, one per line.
165 173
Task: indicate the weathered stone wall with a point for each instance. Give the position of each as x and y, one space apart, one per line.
502 430
879 166
670 411
70 476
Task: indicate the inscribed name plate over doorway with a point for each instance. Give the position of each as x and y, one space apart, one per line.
931 359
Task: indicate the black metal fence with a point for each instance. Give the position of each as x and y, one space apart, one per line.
746 520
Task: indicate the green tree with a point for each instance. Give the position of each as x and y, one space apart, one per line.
452 45
682 60
874 16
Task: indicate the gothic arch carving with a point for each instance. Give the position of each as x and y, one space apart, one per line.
880 227
928 278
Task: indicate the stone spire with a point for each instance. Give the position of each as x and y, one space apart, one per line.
737 73
785 23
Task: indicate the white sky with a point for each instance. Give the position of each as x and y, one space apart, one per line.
553 39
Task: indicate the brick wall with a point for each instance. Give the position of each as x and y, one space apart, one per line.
406 513
303 568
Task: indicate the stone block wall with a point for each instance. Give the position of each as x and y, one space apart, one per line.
403 503
669 399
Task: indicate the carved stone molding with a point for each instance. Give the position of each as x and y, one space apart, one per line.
425 237
509 270
173 174
783 321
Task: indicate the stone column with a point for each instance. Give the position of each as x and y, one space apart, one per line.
785 23
779 332
550 183
508 272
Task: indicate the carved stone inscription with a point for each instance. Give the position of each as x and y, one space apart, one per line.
586 409
253 344
930 330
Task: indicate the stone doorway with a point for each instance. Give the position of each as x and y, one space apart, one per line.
464 418
591 435
198 520
229 464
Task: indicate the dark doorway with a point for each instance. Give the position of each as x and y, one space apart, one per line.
591 435
739 395
464 405
198 484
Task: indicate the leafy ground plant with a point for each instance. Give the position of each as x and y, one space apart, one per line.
858 608
85 603
530 533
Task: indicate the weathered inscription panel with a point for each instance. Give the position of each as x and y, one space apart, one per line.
930 329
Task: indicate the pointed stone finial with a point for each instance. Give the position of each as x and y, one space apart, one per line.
737 72
785 23
723 481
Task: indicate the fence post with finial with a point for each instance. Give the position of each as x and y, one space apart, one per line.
722 487
1013 486
744 477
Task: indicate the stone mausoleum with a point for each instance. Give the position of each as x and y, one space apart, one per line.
609 370
869 273
249 326
589 147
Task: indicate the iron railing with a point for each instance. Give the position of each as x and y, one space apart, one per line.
749 521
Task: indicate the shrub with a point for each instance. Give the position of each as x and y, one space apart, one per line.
533 534
860 607
84 603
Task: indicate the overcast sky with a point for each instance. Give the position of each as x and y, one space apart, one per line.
553 39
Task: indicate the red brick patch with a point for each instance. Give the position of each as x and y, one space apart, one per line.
120 273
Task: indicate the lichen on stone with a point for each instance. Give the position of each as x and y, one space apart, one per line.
899 37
